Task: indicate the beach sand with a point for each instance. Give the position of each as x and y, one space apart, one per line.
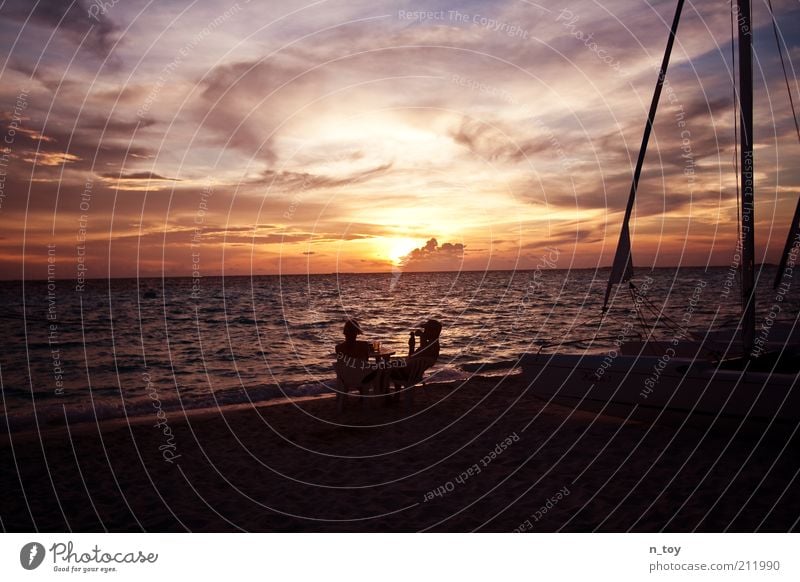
483 454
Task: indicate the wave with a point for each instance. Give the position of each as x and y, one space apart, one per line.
488 366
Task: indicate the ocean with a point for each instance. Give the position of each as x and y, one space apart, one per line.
128 347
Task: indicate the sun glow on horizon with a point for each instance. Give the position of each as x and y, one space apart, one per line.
397 248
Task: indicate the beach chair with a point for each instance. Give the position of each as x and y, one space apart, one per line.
350 376
412 373
408 376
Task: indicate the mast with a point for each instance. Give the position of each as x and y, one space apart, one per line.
747 177
622 268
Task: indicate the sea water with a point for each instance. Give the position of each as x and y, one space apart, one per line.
121 347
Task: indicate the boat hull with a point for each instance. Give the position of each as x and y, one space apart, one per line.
650 388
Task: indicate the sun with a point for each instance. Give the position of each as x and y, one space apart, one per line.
396 248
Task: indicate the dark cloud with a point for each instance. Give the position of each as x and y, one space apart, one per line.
116 126
242 103
490 142
306 181
567 235
83 149
700 108
335 237
74 19
611 193
138 176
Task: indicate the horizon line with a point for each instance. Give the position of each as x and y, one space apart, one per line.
330 274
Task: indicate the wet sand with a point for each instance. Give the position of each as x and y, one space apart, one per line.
483 455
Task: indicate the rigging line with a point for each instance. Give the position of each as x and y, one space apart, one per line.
647 333
661 318
667 322
637 307
637 298
783 66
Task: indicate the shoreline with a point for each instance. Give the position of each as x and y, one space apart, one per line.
51 417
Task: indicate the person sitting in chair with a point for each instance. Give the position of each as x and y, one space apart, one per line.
352 365
351 347
428 341
419 358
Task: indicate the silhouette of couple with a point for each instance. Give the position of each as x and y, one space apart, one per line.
400 371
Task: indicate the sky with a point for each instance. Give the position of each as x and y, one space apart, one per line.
145 138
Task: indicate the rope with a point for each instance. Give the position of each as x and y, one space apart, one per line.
658 314
635 294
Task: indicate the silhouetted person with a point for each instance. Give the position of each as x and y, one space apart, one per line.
352 365
428 341
351 347
419 358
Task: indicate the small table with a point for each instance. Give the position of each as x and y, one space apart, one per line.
382 357
382 354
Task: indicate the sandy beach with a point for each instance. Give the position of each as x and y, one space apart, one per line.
479 455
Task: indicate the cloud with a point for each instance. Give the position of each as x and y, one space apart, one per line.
55 160
138 181
306 181
242 104
73 19
138 176
491 142
52 143
117 127
433 257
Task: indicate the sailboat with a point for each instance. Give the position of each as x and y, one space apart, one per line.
751 379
